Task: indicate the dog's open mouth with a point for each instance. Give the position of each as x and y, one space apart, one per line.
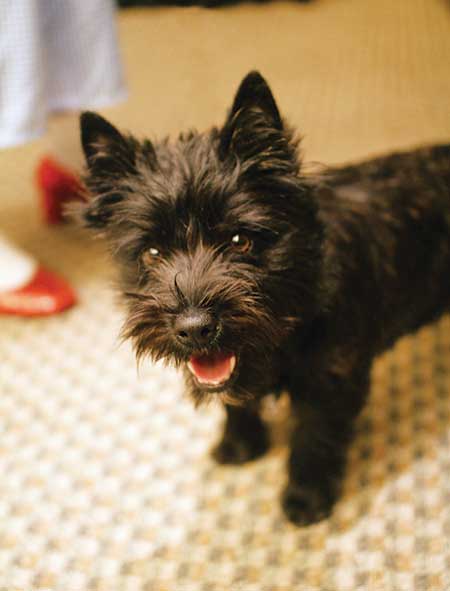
212 370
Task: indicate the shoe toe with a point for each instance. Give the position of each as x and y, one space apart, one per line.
45 294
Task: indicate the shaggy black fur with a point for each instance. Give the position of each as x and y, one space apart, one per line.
303 279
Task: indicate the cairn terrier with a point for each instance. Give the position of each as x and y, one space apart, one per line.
257 278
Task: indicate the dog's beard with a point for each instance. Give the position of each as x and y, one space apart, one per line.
233 368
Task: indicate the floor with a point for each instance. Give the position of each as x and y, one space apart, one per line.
107 482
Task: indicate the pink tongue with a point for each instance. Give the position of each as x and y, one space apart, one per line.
216 367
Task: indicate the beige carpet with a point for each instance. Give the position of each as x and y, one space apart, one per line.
106 482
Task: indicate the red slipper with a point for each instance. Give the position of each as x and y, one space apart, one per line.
44 294
57 186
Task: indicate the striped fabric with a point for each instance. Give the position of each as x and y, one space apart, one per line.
55 55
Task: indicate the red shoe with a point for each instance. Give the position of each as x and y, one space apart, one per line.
57 186
43 295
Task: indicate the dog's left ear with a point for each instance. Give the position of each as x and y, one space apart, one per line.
254 126
254 93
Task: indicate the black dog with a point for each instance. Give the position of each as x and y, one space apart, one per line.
256 279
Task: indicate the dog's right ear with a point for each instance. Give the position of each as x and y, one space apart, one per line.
110 158
105 148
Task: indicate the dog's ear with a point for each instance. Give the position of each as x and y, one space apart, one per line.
254 93
105 148
110 158
254 130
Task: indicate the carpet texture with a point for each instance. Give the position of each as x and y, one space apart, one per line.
106 481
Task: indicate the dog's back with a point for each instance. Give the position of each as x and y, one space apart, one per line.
402 203
423 168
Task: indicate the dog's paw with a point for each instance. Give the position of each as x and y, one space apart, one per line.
238 451
306 504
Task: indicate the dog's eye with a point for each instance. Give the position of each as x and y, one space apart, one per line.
241 243
150 255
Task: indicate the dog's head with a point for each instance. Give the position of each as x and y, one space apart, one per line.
217 239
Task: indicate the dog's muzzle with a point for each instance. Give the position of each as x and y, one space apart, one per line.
197 331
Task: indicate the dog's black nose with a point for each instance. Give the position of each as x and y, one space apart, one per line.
195 328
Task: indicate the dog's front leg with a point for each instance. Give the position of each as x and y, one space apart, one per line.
245 436
318 448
